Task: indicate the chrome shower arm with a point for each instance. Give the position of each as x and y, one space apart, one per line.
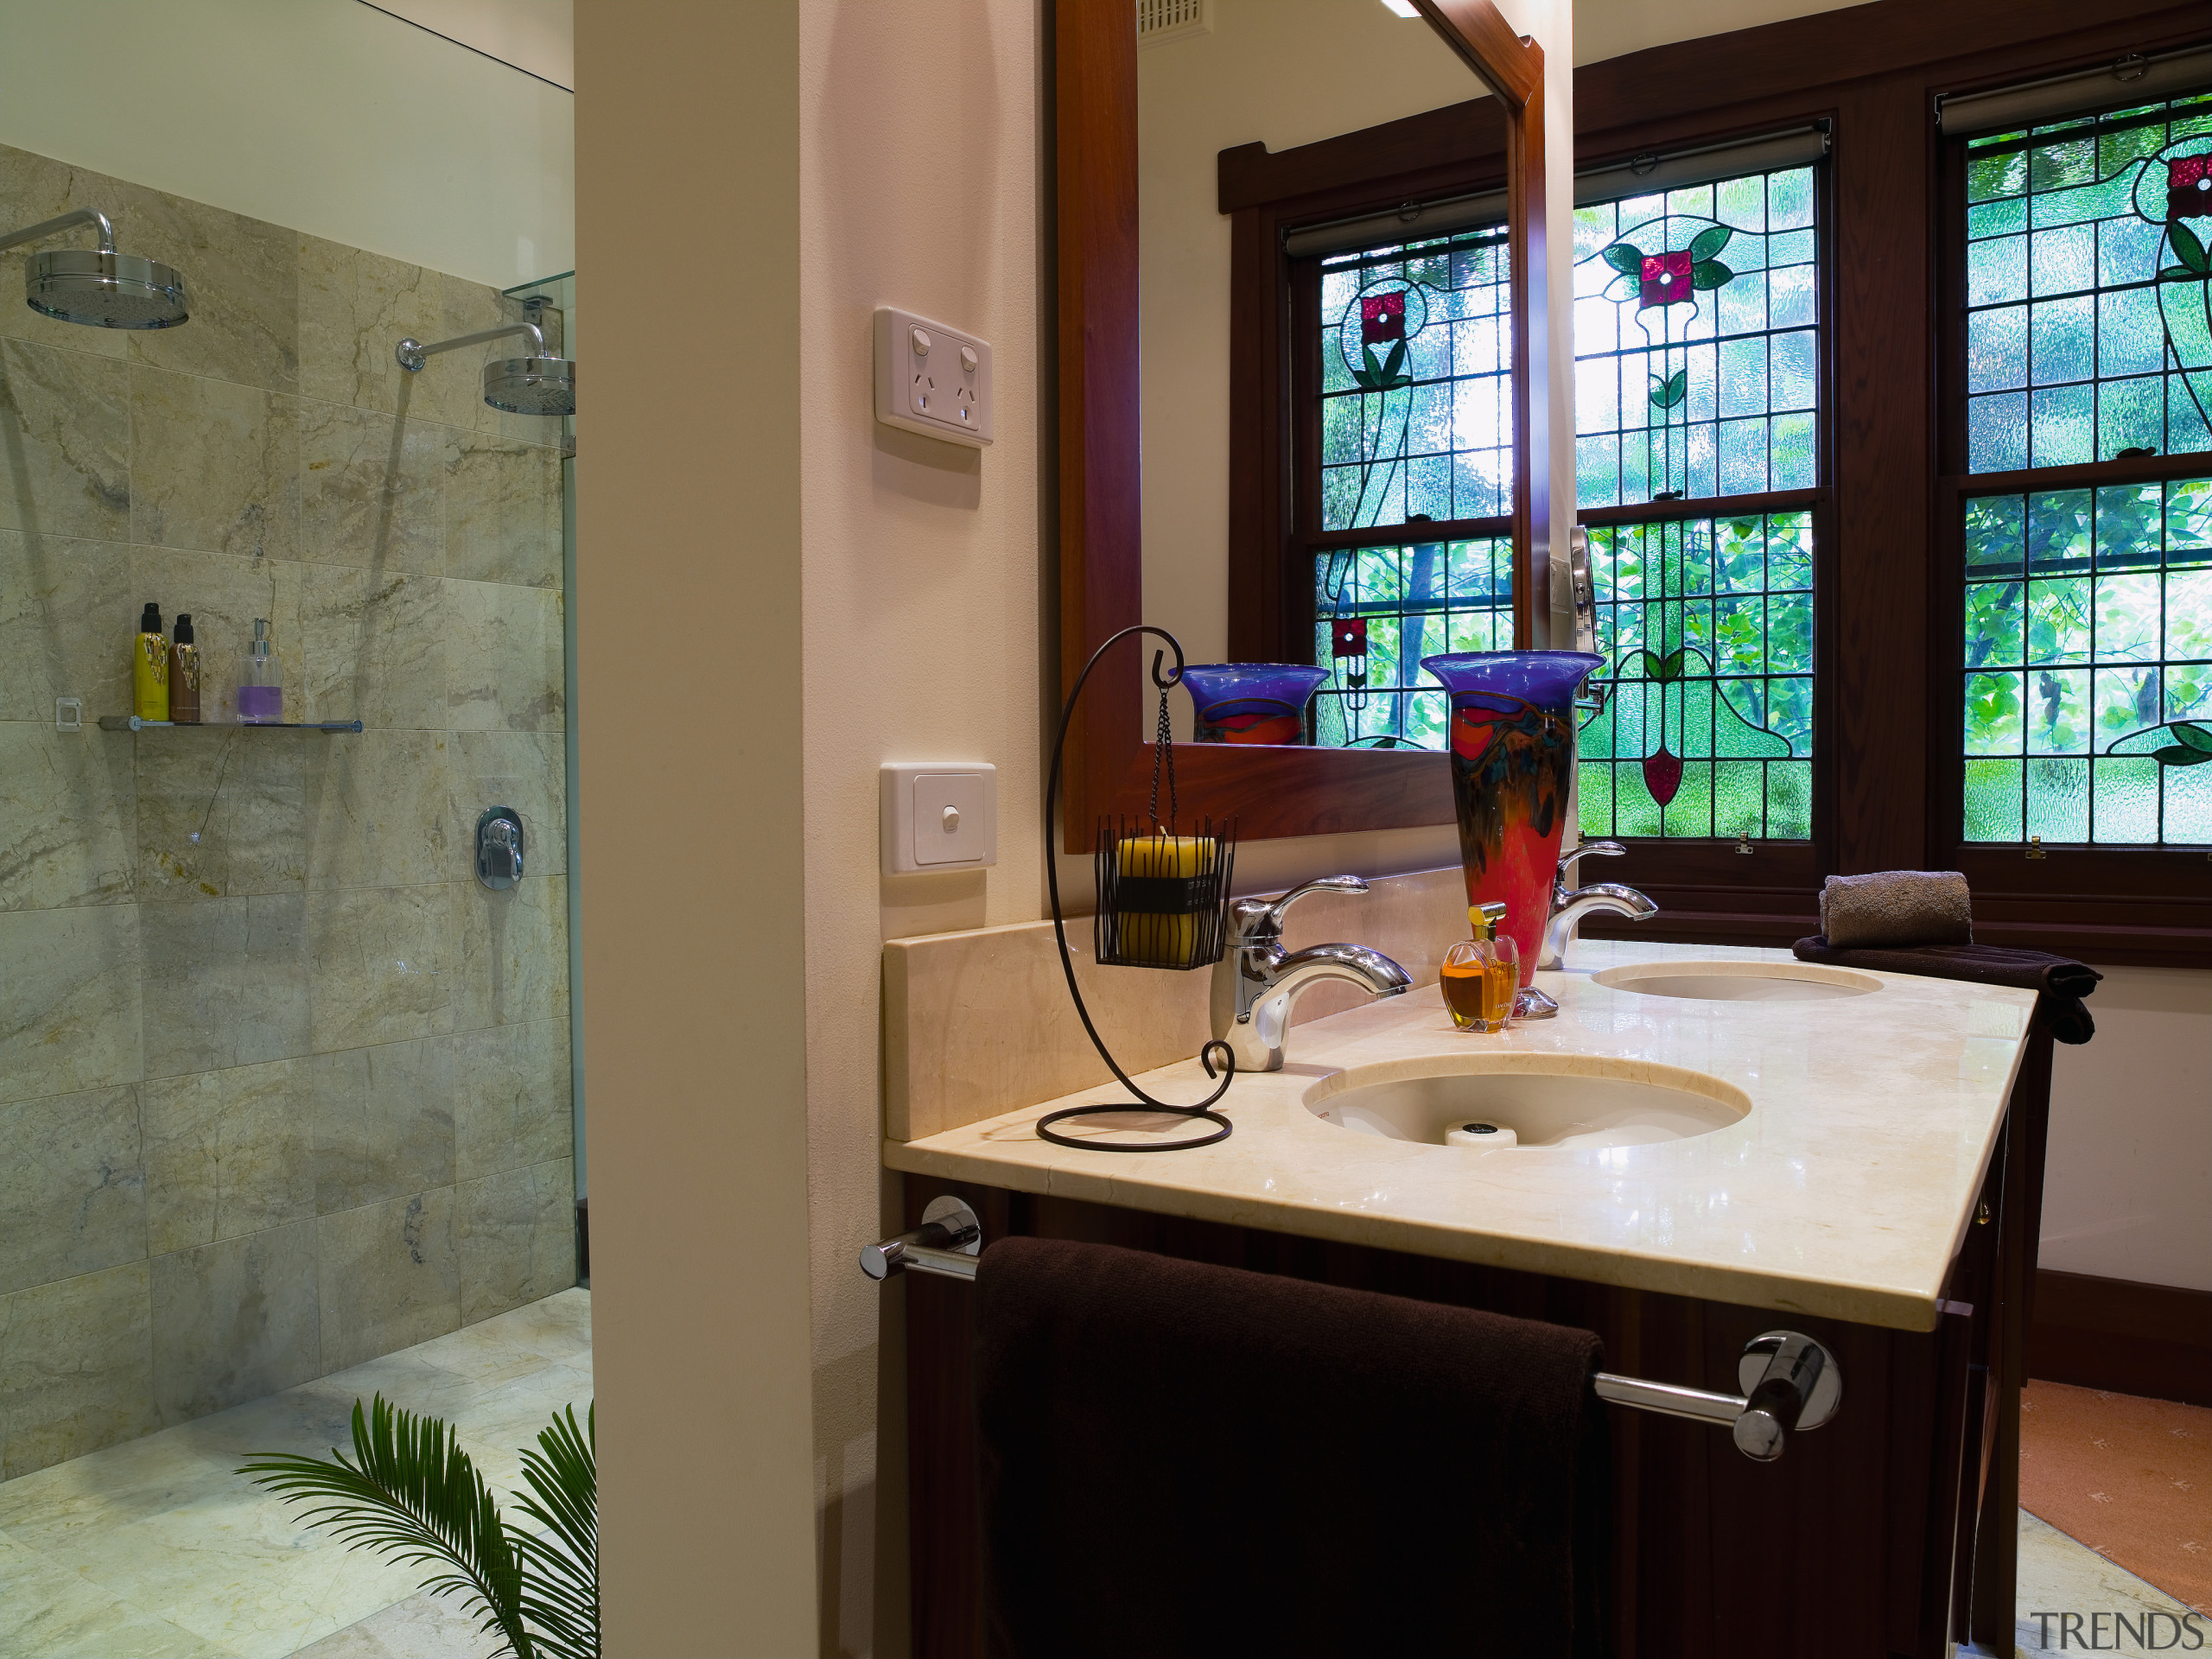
412 353
82 216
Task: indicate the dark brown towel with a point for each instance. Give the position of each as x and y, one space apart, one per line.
2063 982
1186 1459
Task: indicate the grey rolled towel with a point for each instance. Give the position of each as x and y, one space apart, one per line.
1897 907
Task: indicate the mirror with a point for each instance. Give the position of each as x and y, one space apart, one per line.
1192 381
1392 334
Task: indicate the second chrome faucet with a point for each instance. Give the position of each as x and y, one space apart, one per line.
1257 981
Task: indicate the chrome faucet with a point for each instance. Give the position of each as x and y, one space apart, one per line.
1569 905
1256 980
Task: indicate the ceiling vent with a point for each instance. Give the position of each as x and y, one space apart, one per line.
1162 21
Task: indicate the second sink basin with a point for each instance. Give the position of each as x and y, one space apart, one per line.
1547 1100
1739 981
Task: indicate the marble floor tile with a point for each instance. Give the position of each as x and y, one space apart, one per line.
69 999
66 808
223 811
225 982
76 1368
516 1238
372 489
214 466
513 951
513 1103
58 629
384 813
382 1122
160 1547
354 307
390 1277
64 442
504 671
234 1320
47 1611
423 1626
382 965
2059 1576
73 1187
228 1152
503 510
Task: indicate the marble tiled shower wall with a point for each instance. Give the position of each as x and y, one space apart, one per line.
282 1087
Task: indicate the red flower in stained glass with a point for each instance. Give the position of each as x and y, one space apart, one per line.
1665 280
2189 186
1350 638
1662 773
1382 316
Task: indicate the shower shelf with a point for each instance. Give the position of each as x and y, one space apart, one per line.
132 724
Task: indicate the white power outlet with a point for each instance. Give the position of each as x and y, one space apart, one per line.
932 379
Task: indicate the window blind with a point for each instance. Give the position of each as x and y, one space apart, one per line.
2130 79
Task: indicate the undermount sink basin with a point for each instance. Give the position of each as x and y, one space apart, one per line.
1545 1100
1739 981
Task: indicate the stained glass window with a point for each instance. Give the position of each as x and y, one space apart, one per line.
2086 660
1379 611
1697 351
1707 624
1696 341
1416 371
2087 333
2088 664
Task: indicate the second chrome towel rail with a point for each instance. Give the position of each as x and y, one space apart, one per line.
1790 1383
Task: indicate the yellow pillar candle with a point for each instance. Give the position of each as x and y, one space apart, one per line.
1165 940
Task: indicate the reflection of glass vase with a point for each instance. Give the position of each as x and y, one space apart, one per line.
1512 762
1251 702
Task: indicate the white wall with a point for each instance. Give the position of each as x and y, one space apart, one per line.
920 187
2129 1192
327 116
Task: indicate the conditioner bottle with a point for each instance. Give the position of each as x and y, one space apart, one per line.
184 674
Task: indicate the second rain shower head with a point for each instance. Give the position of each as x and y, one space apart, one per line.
100 289
540 384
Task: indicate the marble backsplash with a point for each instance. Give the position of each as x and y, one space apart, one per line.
979 1022
282 1087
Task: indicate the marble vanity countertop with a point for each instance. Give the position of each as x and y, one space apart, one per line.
1844 1192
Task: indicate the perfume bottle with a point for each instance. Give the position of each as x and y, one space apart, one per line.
149 667
184 673
1482 973
261 686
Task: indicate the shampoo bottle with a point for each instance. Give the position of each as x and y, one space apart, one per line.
184 673
149 668
261 687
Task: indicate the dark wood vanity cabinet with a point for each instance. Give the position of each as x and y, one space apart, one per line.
1857 1544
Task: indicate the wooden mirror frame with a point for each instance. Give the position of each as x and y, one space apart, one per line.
1273 791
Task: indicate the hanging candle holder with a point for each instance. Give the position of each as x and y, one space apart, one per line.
1163 902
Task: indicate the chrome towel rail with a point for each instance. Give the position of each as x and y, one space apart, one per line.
1790 1383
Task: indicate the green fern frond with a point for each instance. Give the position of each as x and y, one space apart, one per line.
561 1591
411 1493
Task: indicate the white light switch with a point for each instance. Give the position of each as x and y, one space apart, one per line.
932 379
939 815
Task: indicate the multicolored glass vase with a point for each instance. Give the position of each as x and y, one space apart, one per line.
1251 702
1512 742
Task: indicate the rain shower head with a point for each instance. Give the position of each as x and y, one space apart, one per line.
532 385
103 288
541 384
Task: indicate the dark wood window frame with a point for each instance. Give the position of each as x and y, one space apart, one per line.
1887 774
